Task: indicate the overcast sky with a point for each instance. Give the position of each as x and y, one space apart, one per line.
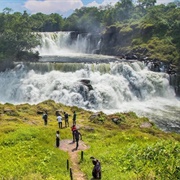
63 7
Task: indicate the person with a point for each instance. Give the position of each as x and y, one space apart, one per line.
77 135
74 118
96 171
57 139
57 113
66 117
45 117
59 119
73 128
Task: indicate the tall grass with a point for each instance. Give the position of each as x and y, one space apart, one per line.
126 151
30 152
133 155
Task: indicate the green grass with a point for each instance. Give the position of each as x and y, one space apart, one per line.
30 151
125 155
126 151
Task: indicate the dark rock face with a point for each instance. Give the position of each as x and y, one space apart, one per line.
109 41
114 38
6 64
84 87
74 35
87 82
92 40
174 80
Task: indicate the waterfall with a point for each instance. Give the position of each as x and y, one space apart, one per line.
113 83
66 73
114 87
64 43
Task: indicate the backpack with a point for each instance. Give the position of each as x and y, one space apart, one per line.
44 116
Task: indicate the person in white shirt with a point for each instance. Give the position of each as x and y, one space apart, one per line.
59 119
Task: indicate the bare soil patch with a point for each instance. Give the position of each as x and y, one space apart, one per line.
70 147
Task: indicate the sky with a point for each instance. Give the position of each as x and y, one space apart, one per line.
62 7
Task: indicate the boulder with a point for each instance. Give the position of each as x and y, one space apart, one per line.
87 83
146 125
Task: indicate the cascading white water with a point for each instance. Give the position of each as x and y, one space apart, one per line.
124 82
60 43
119 87
115 86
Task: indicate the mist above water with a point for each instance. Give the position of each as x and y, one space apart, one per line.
111 85
117 87
62 44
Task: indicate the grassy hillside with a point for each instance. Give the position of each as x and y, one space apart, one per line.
126 147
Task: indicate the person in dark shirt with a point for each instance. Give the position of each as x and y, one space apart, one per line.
57 139
96 172
45 118
77 136
66 118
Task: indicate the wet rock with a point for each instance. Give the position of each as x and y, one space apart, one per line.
146 125
87 83
94 116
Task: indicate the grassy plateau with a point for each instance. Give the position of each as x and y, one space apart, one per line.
129 147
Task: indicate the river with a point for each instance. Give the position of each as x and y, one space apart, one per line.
112 85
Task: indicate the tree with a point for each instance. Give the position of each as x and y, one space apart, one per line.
86 19
123 10
7 10
16 36
58 22
37 21
177 2
146 3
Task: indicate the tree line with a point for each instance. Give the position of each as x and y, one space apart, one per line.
143 23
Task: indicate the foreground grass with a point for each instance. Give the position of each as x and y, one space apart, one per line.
29 153
126 151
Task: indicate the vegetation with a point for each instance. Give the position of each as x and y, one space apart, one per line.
126 149
144 25
16 38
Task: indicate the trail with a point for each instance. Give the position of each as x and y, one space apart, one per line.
68 146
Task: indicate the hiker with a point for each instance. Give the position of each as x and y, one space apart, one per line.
57 139
96 172
74 118
73 128
57 113
77 135
59 119
45 117
66 117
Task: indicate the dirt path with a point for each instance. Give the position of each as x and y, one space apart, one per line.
68 146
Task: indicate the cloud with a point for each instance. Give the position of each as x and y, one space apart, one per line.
104 3
164 1
52 6
113 2
94 3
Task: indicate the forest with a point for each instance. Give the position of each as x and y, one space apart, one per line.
144 29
